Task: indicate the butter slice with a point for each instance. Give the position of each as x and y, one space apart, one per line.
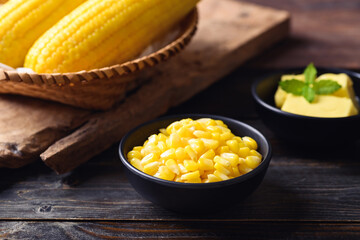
346 83
280 95
326 106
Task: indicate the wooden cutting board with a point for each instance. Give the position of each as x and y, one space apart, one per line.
229 33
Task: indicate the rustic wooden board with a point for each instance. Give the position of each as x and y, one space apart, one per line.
229 34
174 230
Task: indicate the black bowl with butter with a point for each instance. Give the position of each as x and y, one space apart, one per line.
194 197
304 129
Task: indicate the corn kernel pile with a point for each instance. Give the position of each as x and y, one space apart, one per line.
196 151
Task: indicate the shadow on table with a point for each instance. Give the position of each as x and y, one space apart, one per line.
30 173
273 204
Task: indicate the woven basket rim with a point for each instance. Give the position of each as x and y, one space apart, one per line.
117 70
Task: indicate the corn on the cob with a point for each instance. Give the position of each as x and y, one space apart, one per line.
104 32
23 22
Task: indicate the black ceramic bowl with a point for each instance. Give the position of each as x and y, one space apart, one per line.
194 197
303 129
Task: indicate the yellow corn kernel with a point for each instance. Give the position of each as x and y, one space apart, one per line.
210 143
182 168
215 136
180 154
250 143
252 161
173 127
178 179
185 141
205 164
190 165
162 146
151 157
220 168
162 137
102 33
165 173
185 132
255 153
210 154
223 149
23 22
190 152
153 139
197 145
220 123
213 178
244 152
186 121
231 157
201 171
134 154
197 125
244 169
233 145
191 176
196 180
173 166
137 148
151 168
136 163
221 175
163 131
168 154
222 161
213 129
150 148
202 134
236 171
174 141
226 136
224 129
206 122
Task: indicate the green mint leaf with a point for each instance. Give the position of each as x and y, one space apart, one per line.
292 86
324 87
310 73
308 93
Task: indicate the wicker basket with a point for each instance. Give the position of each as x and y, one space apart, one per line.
97 89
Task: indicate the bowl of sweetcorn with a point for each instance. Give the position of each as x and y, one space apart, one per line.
185 192
89 53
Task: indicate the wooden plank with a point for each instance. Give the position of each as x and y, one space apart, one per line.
294 189
27 127
179 230
323 32
229 34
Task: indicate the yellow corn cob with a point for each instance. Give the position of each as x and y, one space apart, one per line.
23 22
104 32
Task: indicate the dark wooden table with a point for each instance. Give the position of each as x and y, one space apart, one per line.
306 194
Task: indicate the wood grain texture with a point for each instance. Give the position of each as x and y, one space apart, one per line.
229 34
28 127
322 31
179 230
